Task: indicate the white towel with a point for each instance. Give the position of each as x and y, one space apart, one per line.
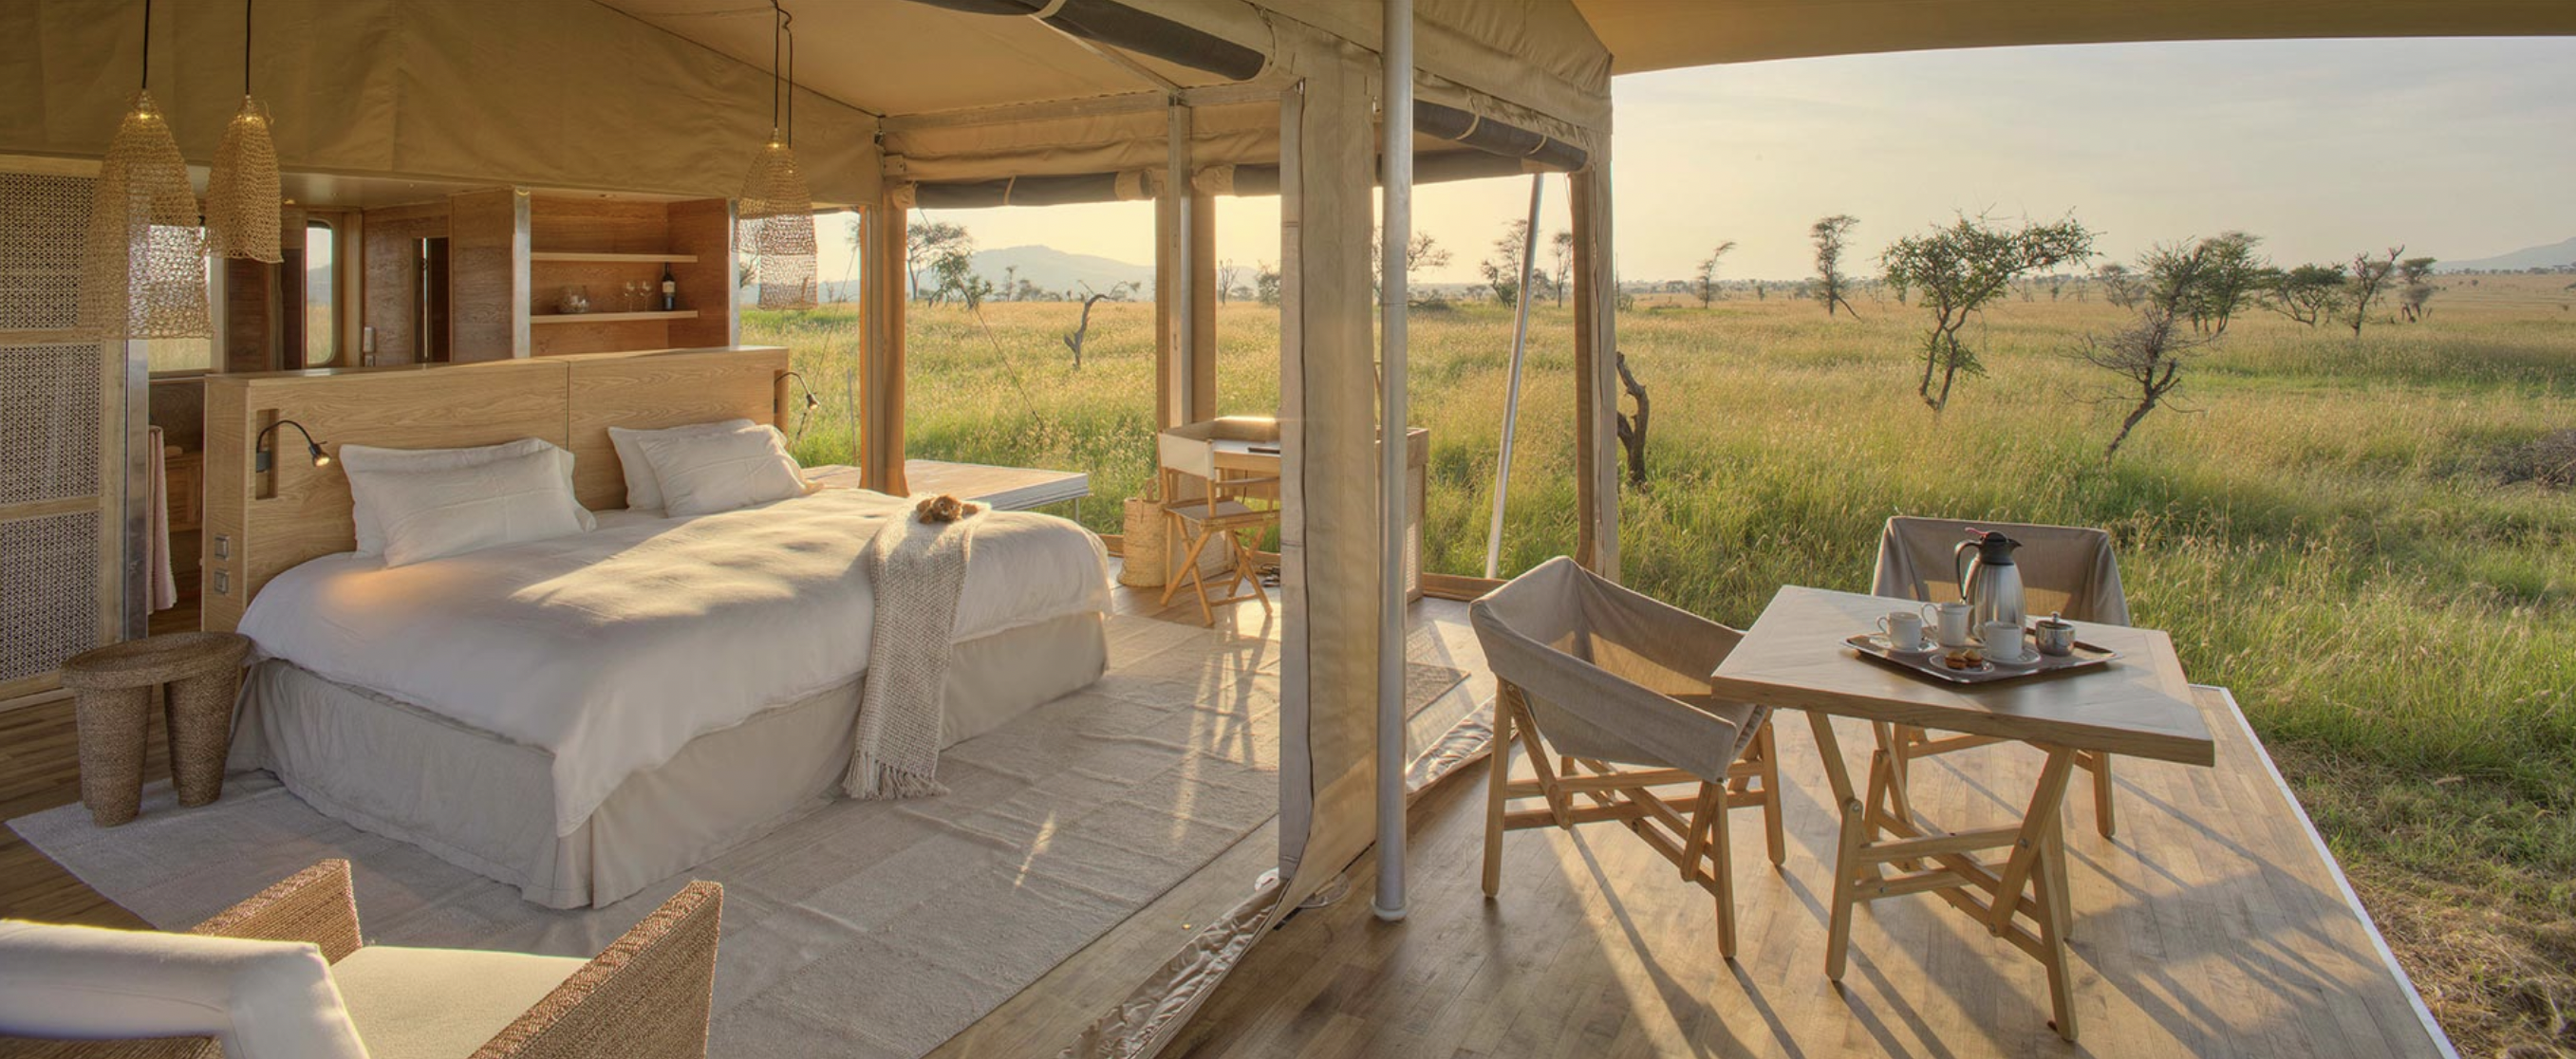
165 585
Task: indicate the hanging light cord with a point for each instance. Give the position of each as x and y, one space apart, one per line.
777 40
790 27
147 45
246 5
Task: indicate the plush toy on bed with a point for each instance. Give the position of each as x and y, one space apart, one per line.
945 508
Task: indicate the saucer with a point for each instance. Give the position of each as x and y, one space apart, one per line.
1925 648
2027 660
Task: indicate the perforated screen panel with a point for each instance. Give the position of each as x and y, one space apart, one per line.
49 422
41 221
49 574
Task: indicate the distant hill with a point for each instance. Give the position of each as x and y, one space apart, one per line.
2551 256
1056 271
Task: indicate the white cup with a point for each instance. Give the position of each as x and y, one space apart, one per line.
2003 642
1951 623
1904 630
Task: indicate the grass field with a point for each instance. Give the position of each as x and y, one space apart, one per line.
2323 526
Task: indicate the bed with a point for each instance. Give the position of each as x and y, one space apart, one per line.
582 716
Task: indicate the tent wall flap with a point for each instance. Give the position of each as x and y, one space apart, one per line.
479 93
1328 547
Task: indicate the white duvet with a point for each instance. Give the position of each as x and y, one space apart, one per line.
612 649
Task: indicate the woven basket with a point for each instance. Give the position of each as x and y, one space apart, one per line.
1145 553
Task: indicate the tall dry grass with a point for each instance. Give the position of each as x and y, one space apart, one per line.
2317 521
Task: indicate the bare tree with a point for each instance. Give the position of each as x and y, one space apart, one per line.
1073 339
2307 293
1828 234
1227 272
1632 429
1705 286
1502 268
2368 281
1265 283
1561 251
2417 273
1962 267
2149 354
2118 286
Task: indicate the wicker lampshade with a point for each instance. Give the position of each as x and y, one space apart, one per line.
243 194
777 218
144 275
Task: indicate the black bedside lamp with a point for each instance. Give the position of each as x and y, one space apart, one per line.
266 459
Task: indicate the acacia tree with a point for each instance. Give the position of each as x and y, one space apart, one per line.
2118 286
1705 286
2308 293
924 244
2149 354
1421 251
1958 270
1828 234
1502 268
2227 277
2368 281
2417 274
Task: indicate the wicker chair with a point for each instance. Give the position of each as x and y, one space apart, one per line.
647 996
1615 684
2064 570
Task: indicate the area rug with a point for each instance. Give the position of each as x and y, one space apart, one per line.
863 929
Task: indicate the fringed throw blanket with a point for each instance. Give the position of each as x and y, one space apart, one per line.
917 565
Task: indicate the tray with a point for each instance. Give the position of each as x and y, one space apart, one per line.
1928 664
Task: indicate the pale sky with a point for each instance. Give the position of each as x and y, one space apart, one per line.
2457 148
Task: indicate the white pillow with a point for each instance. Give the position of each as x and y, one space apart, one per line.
433 514
643 487
706 473
262 999
360 460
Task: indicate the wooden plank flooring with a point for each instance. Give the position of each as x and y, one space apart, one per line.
2214 926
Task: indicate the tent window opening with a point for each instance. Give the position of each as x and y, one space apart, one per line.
321 290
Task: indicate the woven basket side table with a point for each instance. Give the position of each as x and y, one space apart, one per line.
194 677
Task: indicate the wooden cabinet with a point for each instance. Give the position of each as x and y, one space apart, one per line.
603 244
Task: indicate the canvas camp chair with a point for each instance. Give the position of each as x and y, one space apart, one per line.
1615 685
1205 503
2065 570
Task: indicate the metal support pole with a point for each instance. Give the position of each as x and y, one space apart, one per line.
1396 161
1512 389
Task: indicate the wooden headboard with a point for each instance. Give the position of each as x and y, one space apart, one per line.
258 525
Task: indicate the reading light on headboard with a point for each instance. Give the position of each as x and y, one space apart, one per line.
265 459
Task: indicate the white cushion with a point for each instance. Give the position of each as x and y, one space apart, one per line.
643 490
433 514
442 1003
705 473
261 999
360 460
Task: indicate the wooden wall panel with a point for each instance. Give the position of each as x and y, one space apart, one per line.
555 340
661 390
392 261
250 334
487 237
704 227
598 225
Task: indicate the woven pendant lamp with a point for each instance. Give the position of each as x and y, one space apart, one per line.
776 211
144 272
242 195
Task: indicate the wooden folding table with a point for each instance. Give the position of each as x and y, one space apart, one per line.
2140 705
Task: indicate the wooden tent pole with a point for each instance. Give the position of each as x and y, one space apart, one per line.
1175 276
1596 365
881 371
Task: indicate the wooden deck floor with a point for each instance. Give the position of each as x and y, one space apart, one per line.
2214 926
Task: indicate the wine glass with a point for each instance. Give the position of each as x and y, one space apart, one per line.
634 291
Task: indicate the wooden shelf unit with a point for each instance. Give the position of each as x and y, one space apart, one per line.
603 243
611 318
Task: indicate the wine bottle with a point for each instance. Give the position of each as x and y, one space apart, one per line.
670 289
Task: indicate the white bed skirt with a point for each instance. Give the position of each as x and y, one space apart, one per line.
485 804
